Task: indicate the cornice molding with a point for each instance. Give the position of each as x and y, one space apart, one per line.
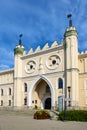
6 84
6 71
84 55
47 74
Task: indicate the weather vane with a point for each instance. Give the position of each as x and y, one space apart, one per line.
20 43
70 20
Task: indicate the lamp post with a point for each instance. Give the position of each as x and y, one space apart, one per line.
65 75
69 88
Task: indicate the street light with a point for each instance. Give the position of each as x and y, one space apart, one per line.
69 88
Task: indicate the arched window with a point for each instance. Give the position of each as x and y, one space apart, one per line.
25 101
25 87
1 102
1 92
9 91
9 103
60 83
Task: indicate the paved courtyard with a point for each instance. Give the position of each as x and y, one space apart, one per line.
24 122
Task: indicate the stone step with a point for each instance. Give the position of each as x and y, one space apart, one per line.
54 114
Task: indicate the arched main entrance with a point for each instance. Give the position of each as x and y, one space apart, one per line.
41 95
47 103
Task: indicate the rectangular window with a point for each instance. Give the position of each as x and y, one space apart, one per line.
9 102
1 92
25 87
9 91
35 101
1 102
25 101
32 101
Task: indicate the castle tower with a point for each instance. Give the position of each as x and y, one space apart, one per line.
18 52
71 65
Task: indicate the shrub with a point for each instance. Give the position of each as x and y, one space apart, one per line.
41 114
74 115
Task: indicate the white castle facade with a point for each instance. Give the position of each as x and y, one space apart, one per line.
46 78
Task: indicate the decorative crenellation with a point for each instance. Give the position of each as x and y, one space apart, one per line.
31 51
46 47
37 49
82 52
82 55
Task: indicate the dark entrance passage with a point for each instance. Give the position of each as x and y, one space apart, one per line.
48 103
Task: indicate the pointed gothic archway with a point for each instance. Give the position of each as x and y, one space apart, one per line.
34 86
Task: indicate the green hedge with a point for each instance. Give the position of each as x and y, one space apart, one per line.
74 115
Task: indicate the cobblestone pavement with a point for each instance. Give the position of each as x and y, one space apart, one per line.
23 122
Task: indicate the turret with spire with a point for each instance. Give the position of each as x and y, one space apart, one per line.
70 30
18 53
71 62
19 48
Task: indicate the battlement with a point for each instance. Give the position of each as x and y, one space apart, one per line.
45 48
82 54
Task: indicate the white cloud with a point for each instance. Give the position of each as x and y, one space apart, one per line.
6 58
6 52
3 67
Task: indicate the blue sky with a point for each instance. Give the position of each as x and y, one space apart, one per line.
40 21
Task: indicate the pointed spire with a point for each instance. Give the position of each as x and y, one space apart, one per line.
46 46
37 49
